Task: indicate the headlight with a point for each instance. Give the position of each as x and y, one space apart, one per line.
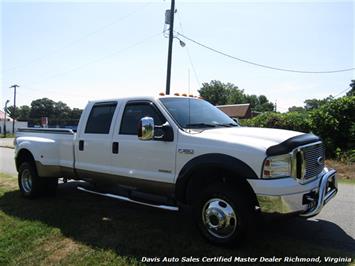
277 166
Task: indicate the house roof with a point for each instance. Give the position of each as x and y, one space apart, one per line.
2 116
235 110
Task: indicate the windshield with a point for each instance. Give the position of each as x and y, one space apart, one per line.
196 113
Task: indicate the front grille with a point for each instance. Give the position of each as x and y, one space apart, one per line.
313 156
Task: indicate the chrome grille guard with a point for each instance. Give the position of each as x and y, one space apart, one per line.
328 188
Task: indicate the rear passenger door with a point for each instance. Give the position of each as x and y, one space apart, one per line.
94 146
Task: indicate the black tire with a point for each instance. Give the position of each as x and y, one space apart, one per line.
31 185
223 214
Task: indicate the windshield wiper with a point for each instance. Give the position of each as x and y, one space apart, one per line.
228 125
200 125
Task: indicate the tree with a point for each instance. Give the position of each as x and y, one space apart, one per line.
215 92
42 108
61 110
76 113
259 104
235 95
11 113
311 104
262 99
296 109
219 93
265 107
58 113
24 113
252 99
334 122
352 91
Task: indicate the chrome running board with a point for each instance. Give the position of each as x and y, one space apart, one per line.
164 207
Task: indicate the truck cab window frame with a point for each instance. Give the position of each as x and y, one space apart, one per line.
100 118
133 112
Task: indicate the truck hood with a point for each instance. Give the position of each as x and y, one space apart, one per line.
260 138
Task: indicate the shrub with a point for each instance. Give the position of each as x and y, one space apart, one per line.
298 121
334 122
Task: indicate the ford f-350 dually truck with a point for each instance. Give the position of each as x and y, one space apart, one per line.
171 151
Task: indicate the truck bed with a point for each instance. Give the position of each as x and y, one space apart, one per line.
52 149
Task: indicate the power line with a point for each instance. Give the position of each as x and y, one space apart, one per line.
342 92
188 53
82 37
262 65
98 59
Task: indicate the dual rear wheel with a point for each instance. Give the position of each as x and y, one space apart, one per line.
31 185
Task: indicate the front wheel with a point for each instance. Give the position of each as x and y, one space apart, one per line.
223 214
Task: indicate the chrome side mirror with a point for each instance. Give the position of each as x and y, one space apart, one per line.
146 128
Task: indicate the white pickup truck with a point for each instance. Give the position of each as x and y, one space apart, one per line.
170 152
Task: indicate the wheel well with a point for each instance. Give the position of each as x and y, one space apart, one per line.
24 155
202 178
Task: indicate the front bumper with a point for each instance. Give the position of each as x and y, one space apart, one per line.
308 203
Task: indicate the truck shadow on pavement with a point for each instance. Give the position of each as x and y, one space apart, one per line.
136 231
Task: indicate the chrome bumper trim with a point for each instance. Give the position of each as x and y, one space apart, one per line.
281 204
324 195
318 196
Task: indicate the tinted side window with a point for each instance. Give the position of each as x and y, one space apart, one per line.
100 119
134 112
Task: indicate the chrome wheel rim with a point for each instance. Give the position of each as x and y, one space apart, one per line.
26 180
219 218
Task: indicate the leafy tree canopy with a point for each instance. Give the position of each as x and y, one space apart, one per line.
352 86
219 93
44 108
296 109
311 104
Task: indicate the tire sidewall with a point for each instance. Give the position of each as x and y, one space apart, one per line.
34 178
236 201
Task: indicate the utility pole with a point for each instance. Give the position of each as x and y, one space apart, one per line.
171 36
14 115
5 110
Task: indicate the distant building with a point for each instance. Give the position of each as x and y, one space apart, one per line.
18 124
240 111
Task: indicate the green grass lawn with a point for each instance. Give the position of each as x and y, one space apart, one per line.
75 228
8 135
347 181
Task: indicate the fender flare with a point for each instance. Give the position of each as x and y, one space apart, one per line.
226 162
23 152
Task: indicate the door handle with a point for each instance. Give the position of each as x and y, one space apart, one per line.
81 145
115 147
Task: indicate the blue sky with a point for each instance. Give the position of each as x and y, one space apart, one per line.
84 50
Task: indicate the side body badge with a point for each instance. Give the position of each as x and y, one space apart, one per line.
186 151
